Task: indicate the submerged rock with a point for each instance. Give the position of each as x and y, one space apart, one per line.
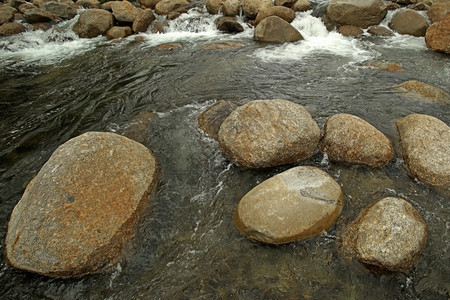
425 143
223 46
388 235
268 133
275 29
409 22
77 215
169 46
93 22
251 8
437 36
211 119
348 138
386 66
361 13
293 205
422 91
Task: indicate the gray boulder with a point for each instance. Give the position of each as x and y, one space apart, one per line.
389 235
79 212
275 29
291 206
348 138
267 133
425 144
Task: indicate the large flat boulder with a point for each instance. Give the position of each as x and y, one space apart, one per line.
348 138
78 213
293 205
361 13
389 235
268 133
425 143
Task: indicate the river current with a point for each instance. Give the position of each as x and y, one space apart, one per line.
55 86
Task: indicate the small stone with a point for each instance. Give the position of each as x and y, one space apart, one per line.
380 31
349 30
118 32
422 91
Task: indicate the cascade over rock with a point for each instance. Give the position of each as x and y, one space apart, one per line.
293 205
267 133
348 138
389 235
425 143
77 215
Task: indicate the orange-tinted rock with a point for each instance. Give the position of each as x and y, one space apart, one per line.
166 7
422 91
268 133
348 138
93 22
438 11
80 211
425 143
350 30
124 11
143 21
437 36
386 66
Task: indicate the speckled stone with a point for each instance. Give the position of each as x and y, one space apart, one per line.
268 133
78 213
388 235
293 205
386 66
425 143
348 138
422 91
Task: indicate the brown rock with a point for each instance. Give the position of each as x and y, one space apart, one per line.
6 16
425 143
409 22
118 32
124 11
165 7
438 11
213 6
137 128
275 29
348 138
350 30
393 6
37 15
267 133
159 27
283 12
11 29
88 3
388 235
93 22
143 20
231 7
77 215
223 46
169 46
229 24
26 6
437 36
251 8
293 205
286 3
61 10
361 13
386 66
379 31
302 5
211 119
149 3
422 91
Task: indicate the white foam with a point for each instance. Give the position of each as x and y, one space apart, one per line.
317 39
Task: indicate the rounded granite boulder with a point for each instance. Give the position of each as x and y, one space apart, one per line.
77 215
293 205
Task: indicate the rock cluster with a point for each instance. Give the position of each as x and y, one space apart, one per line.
79 212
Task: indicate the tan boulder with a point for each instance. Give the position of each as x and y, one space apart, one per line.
11 29
388 235
438 11
361 13
422 91
286 3
6 16
229 24
409 22
275 29
425 144
251 8
149 3
78 214
283 12
143 21
38 15
302 5
88 3
231 7
166 7
124 11
61 10
118 32
93 22
293 205
380 31
268 133
437 36
348 138
350 30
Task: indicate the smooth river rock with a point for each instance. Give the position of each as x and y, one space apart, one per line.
268 133
124 11
251 8
409 22
93 22
389 235
275 29
422 91
348 138
293 205
425 143
361 13
437 36
283 12
77 215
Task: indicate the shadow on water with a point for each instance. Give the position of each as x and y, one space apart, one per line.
186 245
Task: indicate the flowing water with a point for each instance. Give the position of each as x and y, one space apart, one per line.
55 86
